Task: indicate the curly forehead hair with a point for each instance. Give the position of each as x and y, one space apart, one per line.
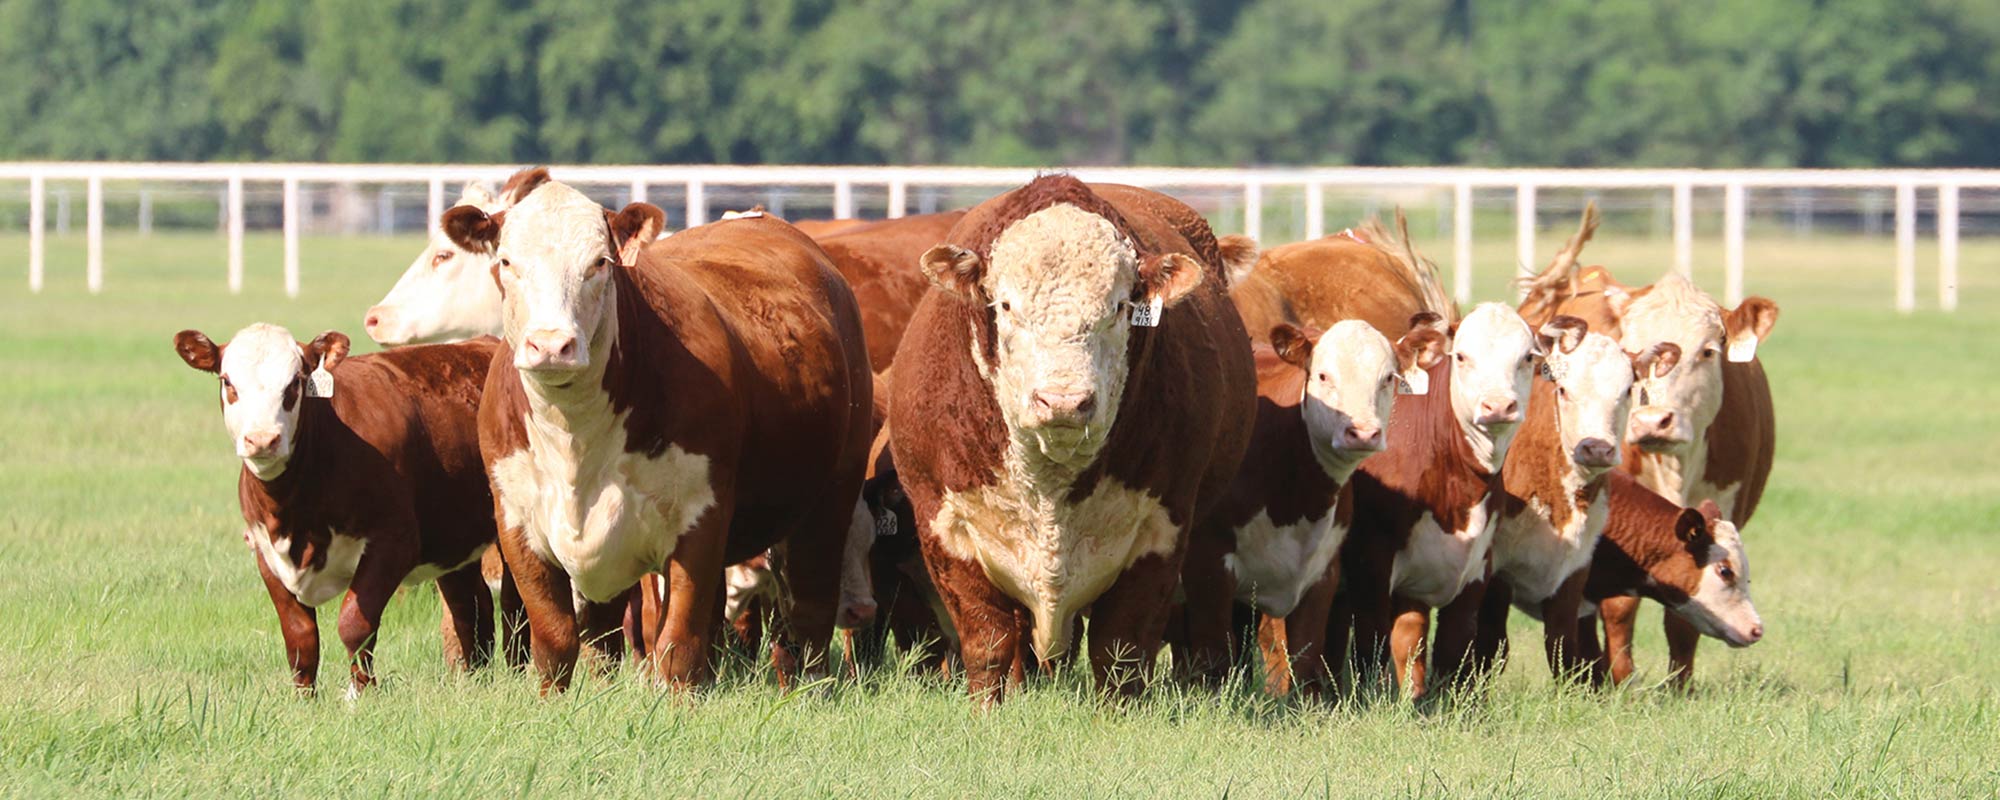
1041 193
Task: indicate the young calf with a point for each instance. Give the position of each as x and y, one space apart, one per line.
1321 405
359 475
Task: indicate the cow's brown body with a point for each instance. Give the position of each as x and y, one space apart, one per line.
1350 275
1639 556
392 459
739 347
1183 425
879 261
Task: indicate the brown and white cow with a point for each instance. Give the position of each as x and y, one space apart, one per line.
1555 507
1425 508
448 294
1066 404
681 404
359 475
1322 403
1690 560
1702 430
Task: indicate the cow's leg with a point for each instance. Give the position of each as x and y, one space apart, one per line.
694 579
1211 594
1489 645
1619 613
1339 629
513 621
1127 622
299 623
990 633
1274 654
545 596
1559 626
1591 649
600 626
652 609
1682 638
361 617
812 572
1407 634
1457 627
632 624
1306 634
467 620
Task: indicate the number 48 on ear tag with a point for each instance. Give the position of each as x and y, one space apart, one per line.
319 383
1148 315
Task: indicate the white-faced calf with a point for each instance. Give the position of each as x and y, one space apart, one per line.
359 475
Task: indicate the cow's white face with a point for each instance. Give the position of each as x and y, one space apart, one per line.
1720 606
448 294
1593 391
555 260
263 374
1493 359
1675 406
1350 389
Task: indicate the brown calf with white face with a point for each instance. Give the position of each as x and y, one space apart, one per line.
1322 403
1701 429
355 484
684 403
1067 403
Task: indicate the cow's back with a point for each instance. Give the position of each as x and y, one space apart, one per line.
879 261
1323 281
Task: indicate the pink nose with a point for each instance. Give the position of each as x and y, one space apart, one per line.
260 443
1061 405
1496 411
374 320
1654 420
1361 437
855 614
1756 632
1596 453
551 348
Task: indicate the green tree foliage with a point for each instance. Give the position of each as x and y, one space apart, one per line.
1558 82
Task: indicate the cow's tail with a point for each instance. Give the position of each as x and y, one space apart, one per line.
1419 273
1542 294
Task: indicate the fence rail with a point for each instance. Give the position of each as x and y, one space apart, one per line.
1944 185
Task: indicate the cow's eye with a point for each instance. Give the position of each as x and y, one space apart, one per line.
441 257
1461 358
1708 353
1562 393
1321 377
1725 572
1006 306
1527 359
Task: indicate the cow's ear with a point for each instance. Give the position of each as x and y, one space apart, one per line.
1239 255
1562 334
1657 361
471 228
1427 319
1170 277
954 269
1294 344
521 184
1618 300
326 351
1690 527
198 351
1749 324
1420 349
1710 511
634 227
477 193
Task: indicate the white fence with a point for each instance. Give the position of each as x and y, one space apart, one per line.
898 181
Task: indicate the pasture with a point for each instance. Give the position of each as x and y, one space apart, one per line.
139 655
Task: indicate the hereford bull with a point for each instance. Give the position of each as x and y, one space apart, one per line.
1074 394
359 475
1704 430
598 478
1322 400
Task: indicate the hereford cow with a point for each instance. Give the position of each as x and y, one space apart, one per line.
1691 561
1425 507
1704 430
449 293
1555 507
359 475
879 260
1322 400
673 405
1071 398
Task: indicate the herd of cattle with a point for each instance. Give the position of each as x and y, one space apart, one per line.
1069 418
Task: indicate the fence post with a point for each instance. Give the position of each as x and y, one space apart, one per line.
94 229
1947 221
1253 210
1684 229
697 204
1461 242
898 198
1732 258
433 204
1906 247
145 212
236 232
638 191
292 221
1315 210
1524 233
843 199
37 244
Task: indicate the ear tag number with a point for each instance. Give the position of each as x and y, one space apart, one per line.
1744 349
1148 315
319 383
885 523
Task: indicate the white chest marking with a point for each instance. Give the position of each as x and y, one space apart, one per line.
605 515
1275 564
1437 563
1534 557
1053 556
311 585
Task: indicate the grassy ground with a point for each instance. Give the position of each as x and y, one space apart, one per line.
139 655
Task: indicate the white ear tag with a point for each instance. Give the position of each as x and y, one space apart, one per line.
1414 382
1743 350
885 523
1148 315
319 383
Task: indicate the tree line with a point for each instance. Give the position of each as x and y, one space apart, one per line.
1814 83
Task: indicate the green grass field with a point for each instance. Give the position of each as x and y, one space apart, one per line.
139 655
